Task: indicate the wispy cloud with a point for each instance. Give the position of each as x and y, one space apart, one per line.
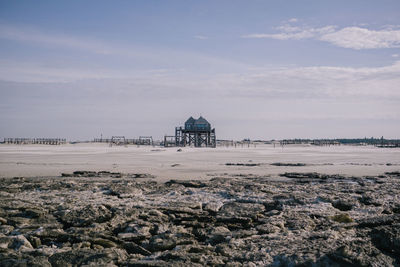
27 34
145 57
348 37
290 94
319 82
295 33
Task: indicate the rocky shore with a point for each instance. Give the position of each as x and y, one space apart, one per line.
304 219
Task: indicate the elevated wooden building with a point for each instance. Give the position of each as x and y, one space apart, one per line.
197 133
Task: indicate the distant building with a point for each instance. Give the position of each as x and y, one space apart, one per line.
196 133
200 124
189 124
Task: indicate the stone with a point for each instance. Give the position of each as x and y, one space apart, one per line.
148 263
162 242
342 218
133 248
232 220
213 206
267 229
105 243
3 221
343 205
236 209
387 238
6 229
86 216
135 232
378 221
35 241
109 257
18 242
218 234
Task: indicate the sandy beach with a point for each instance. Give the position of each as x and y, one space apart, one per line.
195 163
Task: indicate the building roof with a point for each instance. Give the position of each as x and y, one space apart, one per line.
190 120
201 120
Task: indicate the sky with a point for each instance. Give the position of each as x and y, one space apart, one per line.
254 69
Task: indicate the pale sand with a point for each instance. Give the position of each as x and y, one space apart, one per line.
194 163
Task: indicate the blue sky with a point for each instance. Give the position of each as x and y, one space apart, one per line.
257 69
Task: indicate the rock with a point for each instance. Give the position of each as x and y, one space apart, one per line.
20 221
213 206
35 241
193 184
343 205
218 234
303 222
162 242
133 248
105 243
34 212
18 242
289 164
243 220
80 245
135 232
155 212
342 218
378 221
360 254
396 208
6 229
368 199
387 238
109 257
86 216
236 209
148 263
267 229
84 174
49 236
200 233
3 221
24 260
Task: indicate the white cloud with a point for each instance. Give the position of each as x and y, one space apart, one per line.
348 37
395 55
293 20
320 82
361 38
294 33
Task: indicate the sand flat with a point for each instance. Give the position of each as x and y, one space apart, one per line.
194 163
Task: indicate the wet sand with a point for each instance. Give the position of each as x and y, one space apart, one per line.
195 163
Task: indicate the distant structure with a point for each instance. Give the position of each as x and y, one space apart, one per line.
121 140
35 141
118 140
197 133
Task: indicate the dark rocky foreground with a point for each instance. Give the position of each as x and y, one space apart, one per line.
307 220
